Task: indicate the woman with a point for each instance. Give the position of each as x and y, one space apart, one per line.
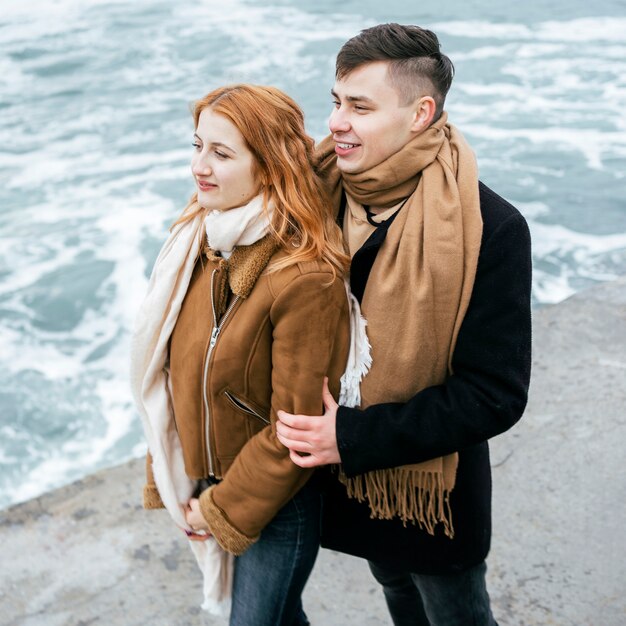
246 314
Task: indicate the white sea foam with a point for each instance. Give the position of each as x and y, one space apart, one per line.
124 227
553 238
593 144
579 31
559 246
585 30
533 210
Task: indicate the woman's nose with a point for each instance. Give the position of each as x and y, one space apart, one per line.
200 166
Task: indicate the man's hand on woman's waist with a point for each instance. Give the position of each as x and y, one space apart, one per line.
311 439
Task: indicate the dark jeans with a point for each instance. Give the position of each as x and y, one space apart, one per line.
271 574
419 600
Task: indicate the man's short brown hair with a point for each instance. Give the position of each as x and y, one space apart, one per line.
416 66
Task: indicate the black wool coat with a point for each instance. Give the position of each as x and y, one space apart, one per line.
485 396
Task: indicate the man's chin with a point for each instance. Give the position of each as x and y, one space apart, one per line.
346 166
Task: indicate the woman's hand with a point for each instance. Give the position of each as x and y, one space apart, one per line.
196 521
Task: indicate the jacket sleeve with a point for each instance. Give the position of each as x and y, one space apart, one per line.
306 318
151 497
487 392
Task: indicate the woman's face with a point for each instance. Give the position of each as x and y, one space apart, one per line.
222 165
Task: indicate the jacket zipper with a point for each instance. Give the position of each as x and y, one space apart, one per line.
214 335
245 407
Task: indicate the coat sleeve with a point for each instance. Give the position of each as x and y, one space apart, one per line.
151 497
487 392
306 317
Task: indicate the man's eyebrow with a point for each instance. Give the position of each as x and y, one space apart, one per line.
353 98
217 144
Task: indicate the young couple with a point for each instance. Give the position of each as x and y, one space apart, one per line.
248 336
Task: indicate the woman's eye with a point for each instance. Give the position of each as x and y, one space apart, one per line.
196 145
221 155
337 103
360 108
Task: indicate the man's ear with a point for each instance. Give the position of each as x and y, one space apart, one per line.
424 113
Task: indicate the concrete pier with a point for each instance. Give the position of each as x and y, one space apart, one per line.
88 553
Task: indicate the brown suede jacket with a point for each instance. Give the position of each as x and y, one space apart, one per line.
246 344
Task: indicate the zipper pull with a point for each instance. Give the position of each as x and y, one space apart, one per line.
214 334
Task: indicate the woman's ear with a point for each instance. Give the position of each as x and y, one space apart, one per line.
425 109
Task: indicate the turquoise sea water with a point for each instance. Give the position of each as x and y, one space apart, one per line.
94 147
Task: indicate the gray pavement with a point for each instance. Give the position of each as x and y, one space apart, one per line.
88 554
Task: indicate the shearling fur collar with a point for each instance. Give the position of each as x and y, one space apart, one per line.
245 264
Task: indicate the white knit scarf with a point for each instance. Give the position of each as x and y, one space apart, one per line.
242 226
152 393
150 380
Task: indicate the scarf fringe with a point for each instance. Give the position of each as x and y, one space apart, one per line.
412 495
359 356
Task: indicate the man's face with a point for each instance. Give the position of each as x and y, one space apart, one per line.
368 124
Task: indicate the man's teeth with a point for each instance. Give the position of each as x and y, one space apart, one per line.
347 146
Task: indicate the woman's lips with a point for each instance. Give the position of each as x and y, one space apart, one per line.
204 186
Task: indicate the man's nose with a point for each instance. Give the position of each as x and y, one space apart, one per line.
338 122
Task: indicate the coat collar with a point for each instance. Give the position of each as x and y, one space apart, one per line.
246 264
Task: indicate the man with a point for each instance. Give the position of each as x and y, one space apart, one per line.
441 266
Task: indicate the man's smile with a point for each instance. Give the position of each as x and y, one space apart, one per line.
344 148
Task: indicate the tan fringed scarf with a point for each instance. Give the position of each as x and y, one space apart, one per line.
417 294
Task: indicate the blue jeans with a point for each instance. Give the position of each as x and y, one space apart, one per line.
271 574
452 600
